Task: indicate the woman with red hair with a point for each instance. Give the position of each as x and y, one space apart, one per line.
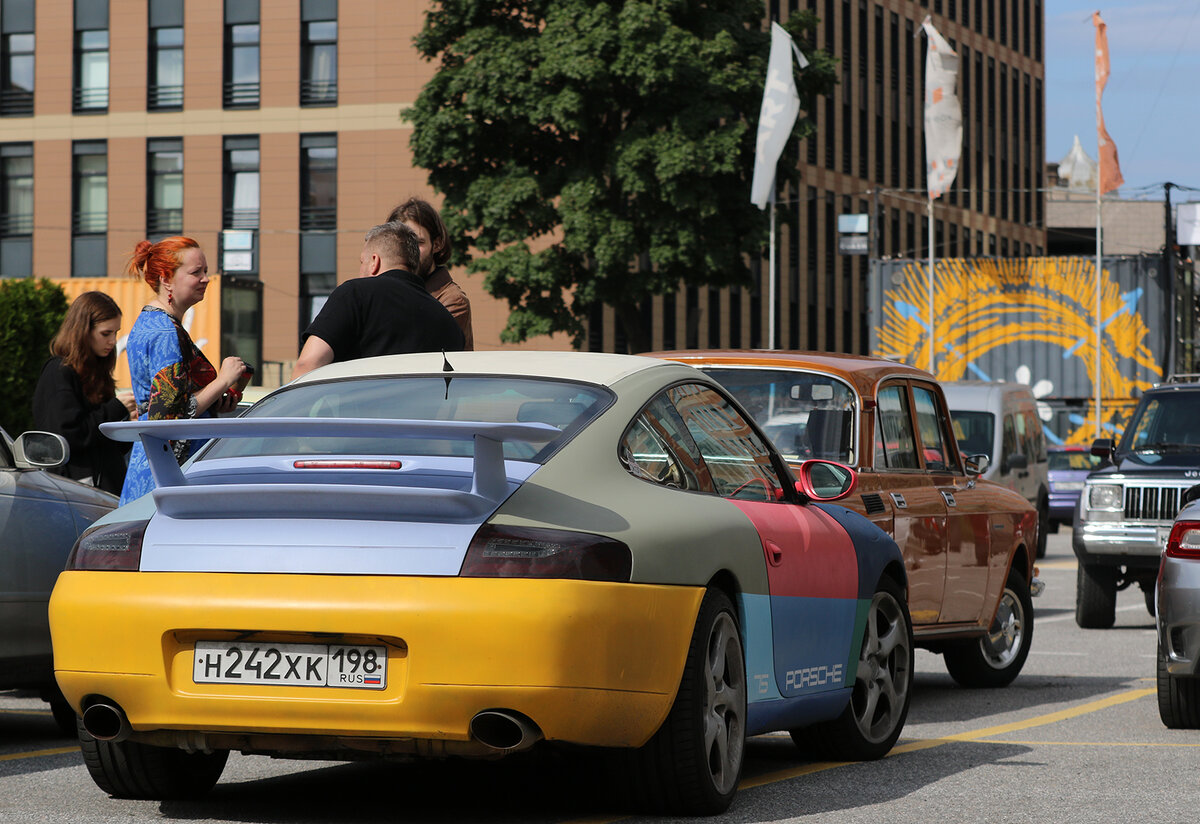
171 377
76 392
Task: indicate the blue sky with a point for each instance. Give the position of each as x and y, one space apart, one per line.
1150 103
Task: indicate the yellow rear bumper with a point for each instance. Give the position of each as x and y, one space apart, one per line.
590 663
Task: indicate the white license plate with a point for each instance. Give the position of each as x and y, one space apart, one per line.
301 665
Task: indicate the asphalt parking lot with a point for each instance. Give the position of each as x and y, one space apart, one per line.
1076 738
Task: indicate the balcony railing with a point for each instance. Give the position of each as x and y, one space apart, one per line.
91 99
15 225
164 221
318 218
241 95
318 93
241 218
164 97
16 103
89 223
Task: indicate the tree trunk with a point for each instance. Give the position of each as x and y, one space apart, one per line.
637 336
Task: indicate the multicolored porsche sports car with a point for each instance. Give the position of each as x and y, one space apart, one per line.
969 544
465 555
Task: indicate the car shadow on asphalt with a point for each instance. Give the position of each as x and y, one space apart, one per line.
533 787
938 699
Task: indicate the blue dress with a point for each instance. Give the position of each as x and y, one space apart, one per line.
167 370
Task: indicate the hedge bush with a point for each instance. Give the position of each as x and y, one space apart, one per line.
30 313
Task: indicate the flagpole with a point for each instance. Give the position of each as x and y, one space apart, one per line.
771 278
929 286
1099 241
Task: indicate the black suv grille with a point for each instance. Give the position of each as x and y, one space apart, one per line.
1152 503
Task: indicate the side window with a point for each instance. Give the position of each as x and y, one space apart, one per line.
737 459
1036 442
1009 446
933 434
899 446
658 448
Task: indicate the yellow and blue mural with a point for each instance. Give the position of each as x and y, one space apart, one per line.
1032 320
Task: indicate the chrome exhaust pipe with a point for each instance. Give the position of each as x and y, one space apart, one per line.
504 730
106 722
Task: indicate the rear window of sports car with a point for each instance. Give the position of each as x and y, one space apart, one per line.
563 404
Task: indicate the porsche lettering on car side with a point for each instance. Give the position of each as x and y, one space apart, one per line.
474 555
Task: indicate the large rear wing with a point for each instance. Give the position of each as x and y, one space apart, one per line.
177 496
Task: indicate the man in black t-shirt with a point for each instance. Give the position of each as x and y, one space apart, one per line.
384 311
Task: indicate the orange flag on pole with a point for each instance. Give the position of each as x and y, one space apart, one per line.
1110 168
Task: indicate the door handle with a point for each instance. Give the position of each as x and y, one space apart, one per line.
774 553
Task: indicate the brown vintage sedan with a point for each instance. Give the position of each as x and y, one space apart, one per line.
968 543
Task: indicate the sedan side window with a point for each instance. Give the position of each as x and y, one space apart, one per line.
933 435
895 426
658 448
737 459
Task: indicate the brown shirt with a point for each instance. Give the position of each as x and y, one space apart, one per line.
451 295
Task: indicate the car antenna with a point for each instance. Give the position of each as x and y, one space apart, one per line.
446 367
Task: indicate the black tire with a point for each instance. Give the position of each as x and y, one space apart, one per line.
997 658
693 763
869 726
1095 596
1148 595
1178 697
127 769
1043 524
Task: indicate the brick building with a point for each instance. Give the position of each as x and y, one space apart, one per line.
269 130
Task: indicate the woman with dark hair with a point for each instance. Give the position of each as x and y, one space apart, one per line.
76 392
171 377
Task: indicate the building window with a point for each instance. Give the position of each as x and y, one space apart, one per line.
164 187
318 53
16 58
164 85
318 182
89 223
91 56
241 183
318 273
242 35
16 210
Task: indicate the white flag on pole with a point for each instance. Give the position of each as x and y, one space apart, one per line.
780 105
943 114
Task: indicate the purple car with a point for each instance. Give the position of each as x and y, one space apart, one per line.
1069 466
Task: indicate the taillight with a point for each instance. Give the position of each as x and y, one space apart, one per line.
1185 540
529 552
111 546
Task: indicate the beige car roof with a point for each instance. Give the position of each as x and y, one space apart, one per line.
591 367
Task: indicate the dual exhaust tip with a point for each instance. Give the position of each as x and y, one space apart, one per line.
503 731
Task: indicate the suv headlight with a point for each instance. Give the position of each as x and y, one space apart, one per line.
1104 496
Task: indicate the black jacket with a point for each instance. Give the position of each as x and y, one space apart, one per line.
59 406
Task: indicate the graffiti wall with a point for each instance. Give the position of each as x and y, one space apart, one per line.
1031 320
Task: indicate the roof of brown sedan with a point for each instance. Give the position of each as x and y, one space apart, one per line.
864 371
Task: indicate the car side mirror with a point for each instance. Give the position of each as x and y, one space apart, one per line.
40 450
1018 460
976 465
1103 448
825 480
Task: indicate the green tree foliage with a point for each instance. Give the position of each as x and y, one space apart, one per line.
600 152
30 313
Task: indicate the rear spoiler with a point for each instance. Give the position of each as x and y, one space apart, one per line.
176 496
